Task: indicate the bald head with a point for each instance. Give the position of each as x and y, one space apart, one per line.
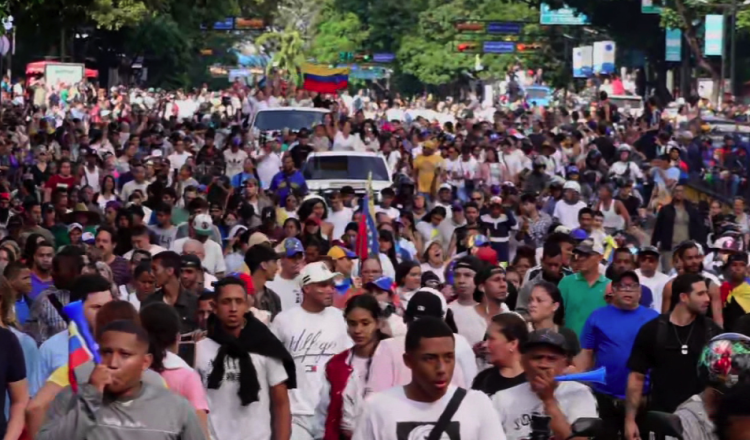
194 247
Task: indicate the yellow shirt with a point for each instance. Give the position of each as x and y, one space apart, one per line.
427 166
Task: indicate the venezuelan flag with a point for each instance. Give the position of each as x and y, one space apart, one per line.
78 354
324 79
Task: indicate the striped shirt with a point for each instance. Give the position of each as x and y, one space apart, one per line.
44 320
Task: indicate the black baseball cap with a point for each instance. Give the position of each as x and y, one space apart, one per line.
649 250
617 279
190 262
545 337
737 257
424 303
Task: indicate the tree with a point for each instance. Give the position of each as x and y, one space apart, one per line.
288 51
336 32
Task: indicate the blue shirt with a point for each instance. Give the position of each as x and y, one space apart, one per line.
31 359
23 311
38 286
610 333
282 183
239 179
53 354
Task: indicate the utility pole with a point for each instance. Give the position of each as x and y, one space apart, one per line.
733 49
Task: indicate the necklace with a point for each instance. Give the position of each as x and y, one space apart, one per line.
684 346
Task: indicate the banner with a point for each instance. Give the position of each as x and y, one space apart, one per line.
583 61
564 16
604 57
714 35
674 45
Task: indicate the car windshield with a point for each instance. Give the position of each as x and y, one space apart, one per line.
537 94
345 168
277 120
627 102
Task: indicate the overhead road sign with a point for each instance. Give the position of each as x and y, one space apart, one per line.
383 57
498 47
564 16
504 27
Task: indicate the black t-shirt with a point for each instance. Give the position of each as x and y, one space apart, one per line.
12 368
606 147
300 153
490 381
673 374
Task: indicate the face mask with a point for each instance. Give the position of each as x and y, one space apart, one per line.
230 223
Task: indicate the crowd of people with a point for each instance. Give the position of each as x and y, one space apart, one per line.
230 303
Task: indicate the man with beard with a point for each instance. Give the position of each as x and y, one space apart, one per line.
551 272
668 349
32 218
190 274
46 317
624 261
690 259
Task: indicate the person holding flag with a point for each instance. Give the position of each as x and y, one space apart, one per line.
367 244
116 393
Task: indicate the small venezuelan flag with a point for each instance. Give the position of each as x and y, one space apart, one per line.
324 79
78 354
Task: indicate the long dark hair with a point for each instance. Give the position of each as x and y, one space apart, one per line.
391 253
162 323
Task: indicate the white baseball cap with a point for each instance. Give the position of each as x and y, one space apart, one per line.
572 184
203 224
317 273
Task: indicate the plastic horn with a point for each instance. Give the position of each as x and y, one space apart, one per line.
595 376
74 311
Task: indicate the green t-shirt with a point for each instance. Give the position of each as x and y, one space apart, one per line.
580 299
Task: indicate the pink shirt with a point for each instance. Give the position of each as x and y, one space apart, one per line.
184 381
388 368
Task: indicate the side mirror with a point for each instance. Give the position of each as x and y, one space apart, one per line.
663 423
586 427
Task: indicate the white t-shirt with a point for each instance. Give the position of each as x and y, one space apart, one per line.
516 405
213 261
339 220
391 212
390 415
471 325
439 271
289 291
177 160
267 168
516 161
312 339
234 161
129 188
656 284
228 419
341 143
568 214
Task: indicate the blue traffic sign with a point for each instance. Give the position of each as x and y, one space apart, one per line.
498 47
504 28
224 25
383 57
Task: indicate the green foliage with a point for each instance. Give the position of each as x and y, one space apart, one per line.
112 14
337 32
288 51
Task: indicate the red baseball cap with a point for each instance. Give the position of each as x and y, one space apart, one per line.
488 255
